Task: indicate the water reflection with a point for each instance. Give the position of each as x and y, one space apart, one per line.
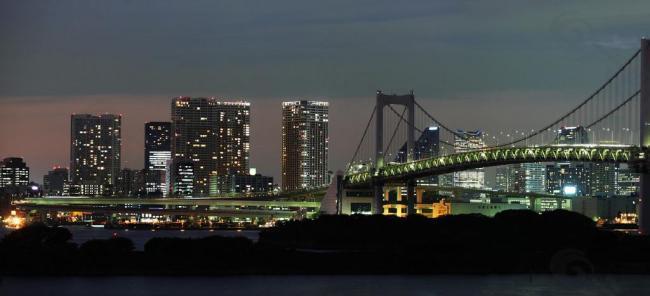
81 234
330 285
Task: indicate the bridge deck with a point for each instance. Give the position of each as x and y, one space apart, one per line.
171 202
495 157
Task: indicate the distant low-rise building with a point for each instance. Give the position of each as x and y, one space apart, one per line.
607 208
487 209
126 183
246 184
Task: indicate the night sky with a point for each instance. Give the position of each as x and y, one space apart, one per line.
494 60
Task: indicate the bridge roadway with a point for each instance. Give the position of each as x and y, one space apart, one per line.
212 202
399 172
233 213
247 207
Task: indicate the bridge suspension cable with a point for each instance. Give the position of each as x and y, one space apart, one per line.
440 124
633 96
365 132
420 131
579 106
607 110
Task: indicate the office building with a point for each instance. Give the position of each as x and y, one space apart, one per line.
155 183
95 152
605 208
14 174
603 179
505 178
56 181
157 152
466 141
571 179
572 135
157 145
530 178
131 183
627 181
305 141
426 146
250 185
213 135
181 178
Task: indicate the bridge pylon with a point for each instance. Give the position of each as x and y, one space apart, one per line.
644 206
384 100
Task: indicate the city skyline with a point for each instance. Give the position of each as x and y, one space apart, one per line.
472 60
151 146
262 133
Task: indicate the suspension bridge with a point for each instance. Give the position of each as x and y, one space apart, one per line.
611 125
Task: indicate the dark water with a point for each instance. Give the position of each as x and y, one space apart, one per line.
330 285
526 285
81 234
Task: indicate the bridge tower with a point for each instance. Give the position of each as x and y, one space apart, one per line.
384 100
644 207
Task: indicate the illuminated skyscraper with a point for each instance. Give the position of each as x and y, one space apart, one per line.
466 141
182 178
14 173
505 178
157 152
570 176
214 135
427 146
627 181
603 179
530 177
157 145
95 152
305 141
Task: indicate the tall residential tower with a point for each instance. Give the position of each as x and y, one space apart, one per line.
95 144
305 141
213 135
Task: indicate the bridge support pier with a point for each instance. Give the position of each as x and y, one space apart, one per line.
410 197
644 203
378 208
